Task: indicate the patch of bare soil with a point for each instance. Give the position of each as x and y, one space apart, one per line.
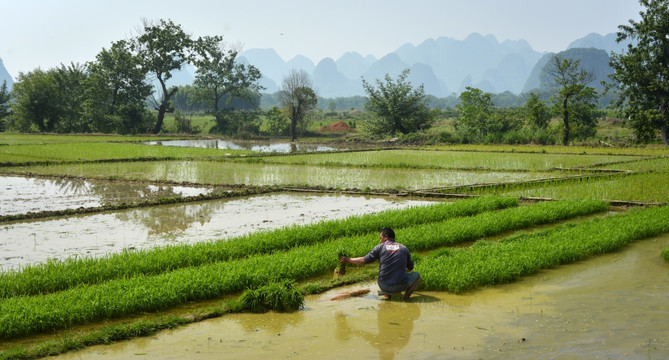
339 126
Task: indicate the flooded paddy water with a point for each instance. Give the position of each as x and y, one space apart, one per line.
32 242
270 147
21 195
213 172
612 306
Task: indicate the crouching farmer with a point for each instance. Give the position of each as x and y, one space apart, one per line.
395 265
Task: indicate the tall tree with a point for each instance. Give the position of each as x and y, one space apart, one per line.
163 48
571 82
70 81
116 91
475 110
4 104
219 76
398 106
37 101
50 100
642 72
297 97
277 121
536 111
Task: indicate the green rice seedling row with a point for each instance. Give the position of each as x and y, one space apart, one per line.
424 159
490 263
55 276
457 231
130 295
108 334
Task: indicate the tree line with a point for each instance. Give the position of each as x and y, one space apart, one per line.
124 90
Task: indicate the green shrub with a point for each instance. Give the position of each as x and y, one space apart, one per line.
281 296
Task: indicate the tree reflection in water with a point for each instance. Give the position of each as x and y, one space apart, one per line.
172 220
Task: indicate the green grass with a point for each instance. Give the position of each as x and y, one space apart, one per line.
102 151
649 150
490 263
658 165
665 253
39 139
646 187
60 275
202 122
24 315
424 159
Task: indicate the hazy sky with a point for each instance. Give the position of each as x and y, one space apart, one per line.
46 33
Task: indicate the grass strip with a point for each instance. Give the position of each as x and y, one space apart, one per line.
125 296
57 152
651 150
41 139
60 275
459 270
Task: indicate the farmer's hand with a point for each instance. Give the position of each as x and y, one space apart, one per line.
344 260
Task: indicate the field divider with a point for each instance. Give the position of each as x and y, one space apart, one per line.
490 263
60 275
120 297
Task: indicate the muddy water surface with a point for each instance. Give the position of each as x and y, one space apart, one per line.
609 307
94 235
211 172
245 145
20 195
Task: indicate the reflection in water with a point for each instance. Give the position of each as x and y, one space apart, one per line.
274 325
100 234
229 172
207 172
171 221
394 325
244 145
21 195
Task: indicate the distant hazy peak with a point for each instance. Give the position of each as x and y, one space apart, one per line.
5 76
604 42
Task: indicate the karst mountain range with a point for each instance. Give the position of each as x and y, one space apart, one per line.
444 66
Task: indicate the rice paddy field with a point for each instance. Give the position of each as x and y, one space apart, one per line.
112 248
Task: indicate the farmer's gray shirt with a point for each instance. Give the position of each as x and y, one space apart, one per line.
394 260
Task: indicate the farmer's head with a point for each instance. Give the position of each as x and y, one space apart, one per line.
386 233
